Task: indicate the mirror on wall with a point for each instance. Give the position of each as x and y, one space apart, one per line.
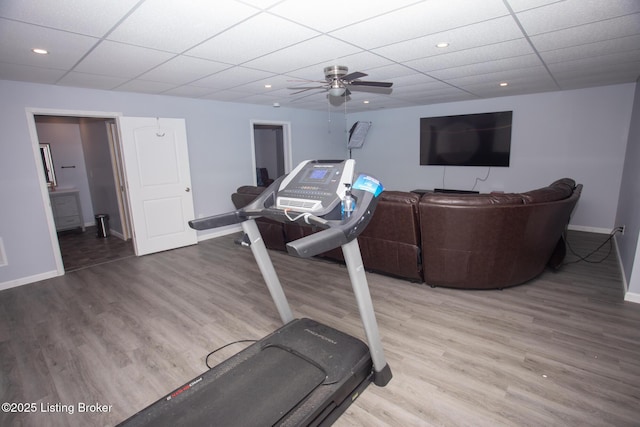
47 164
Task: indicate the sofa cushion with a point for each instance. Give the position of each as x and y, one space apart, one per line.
395 218
245 195
472 199
547 194
568 182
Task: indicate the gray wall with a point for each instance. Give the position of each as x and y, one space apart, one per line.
65 137
580 134
97 157
219 136
629 204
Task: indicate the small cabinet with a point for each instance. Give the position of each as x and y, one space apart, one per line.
66 209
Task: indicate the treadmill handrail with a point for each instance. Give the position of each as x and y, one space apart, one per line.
215 221
337 233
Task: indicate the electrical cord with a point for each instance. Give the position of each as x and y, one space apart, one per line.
586 257
206 359
481 179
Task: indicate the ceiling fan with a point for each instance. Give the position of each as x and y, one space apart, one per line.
338 79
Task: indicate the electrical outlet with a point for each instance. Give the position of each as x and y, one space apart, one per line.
622 230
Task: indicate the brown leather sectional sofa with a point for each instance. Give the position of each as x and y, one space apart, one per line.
470 241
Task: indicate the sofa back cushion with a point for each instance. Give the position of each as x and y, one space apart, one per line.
391 242
395 218
558 190
245 195
473 199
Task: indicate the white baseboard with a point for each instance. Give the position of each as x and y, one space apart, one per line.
590 229
632 297
26 280
219 232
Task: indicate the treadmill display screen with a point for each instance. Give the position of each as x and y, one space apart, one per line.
318 174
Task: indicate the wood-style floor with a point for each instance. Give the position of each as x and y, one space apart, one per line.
562 350
81 249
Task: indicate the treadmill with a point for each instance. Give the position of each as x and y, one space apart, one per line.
305 373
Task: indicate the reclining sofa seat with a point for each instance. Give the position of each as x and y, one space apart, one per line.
492 241
390 244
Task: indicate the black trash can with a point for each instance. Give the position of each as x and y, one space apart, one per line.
102 225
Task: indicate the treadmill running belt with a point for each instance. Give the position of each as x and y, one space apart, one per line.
257 392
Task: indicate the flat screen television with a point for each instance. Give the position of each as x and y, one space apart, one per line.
466 140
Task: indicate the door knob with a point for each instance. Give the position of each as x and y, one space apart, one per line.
187 189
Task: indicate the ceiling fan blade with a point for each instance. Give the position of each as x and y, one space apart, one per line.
376 90
353 76
369 83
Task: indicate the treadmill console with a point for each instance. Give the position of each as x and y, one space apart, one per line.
315 186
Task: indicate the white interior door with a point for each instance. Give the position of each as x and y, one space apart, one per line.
156 164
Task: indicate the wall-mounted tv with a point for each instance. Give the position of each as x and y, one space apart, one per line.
466 140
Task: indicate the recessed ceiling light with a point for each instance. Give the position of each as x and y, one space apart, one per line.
268 86
504 84
40 51
365 102
442 45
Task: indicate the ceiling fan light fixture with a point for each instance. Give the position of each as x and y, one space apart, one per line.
337 89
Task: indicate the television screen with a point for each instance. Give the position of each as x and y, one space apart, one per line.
466 140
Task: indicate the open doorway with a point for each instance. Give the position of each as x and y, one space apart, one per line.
88 182
271 143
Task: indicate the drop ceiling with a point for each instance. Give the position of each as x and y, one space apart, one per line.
256 51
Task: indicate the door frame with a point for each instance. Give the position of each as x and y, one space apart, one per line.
286 145
44 190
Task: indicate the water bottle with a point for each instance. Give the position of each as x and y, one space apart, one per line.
348 203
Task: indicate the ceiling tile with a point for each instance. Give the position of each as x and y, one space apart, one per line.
93 81
521 5
600 65
612 29
424 18
253 38
235 47
160 24
459 39
613 74
489 67
28 73
94 18
121 60
188 91
607 47
534 79
392 72
480 56
277 82
183 69
326 51
144 86
231 77
571 13
364 62
65 49
328 15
